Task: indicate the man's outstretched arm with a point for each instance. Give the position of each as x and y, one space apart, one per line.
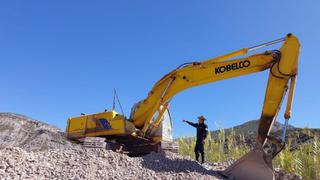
191 123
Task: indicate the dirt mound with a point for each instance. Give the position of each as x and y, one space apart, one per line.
16 163
29 134
30 149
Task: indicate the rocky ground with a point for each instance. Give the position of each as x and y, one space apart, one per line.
16 163
30 149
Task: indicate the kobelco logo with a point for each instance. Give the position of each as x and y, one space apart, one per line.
233 66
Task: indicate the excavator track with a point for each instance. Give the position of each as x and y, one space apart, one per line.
93 142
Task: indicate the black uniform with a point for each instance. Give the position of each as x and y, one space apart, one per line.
202 132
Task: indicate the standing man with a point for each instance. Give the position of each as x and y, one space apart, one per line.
202 132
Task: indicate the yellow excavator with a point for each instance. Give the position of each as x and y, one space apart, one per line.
149 127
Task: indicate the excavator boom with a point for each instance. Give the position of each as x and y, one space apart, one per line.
196 74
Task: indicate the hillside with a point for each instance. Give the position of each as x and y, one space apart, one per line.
251 127
248 130
29 134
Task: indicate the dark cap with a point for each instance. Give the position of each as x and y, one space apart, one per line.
202 117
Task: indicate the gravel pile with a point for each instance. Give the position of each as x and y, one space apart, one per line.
16 163
30 149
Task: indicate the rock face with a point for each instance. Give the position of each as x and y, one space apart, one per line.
21 131
30 149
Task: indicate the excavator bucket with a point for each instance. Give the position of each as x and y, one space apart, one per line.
254 165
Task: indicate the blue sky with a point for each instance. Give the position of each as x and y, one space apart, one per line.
61 58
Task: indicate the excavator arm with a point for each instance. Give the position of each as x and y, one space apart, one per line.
280 74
